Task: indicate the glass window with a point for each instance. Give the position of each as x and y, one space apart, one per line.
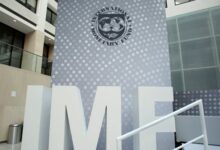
174 57
54 17
218 45
201 79
30 4
46 65
11 36
6 34
16 56
194 26
172 30
51 16
195 46
18 39
11 45
5 53
177 80
216 21
198 53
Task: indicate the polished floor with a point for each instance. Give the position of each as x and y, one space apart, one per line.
5 146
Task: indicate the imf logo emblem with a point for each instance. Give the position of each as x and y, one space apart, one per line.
111 26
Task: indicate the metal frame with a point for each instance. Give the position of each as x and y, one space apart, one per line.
173 114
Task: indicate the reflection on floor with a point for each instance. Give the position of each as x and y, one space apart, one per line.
5 146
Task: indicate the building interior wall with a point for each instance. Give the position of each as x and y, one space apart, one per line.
13 88
12 79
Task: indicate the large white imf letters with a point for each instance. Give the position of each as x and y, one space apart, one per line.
66 101
67 111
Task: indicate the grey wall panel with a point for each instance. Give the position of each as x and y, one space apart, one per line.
211 101
142 60
188 127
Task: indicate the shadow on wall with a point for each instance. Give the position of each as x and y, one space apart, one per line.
13 86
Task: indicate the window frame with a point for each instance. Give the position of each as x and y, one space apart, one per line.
26 4
52 15
12 45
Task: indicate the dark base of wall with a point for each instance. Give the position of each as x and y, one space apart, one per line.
3 142
177 144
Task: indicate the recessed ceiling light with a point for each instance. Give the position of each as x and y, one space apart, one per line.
14 20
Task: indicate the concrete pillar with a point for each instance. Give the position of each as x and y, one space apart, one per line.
34 41
33 46
41 13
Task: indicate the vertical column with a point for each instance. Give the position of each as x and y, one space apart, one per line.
34 41
33 46
41 13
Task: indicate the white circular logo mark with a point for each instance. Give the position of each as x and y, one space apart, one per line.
111 26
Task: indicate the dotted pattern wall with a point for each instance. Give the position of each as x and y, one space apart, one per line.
143 60
211 101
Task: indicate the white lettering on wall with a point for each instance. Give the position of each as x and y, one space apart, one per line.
67 103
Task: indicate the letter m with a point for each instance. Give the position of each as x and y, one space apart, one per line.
67 112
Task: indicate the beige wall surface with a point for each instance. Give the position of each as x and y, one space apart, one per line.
33 46
13 80
34 42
